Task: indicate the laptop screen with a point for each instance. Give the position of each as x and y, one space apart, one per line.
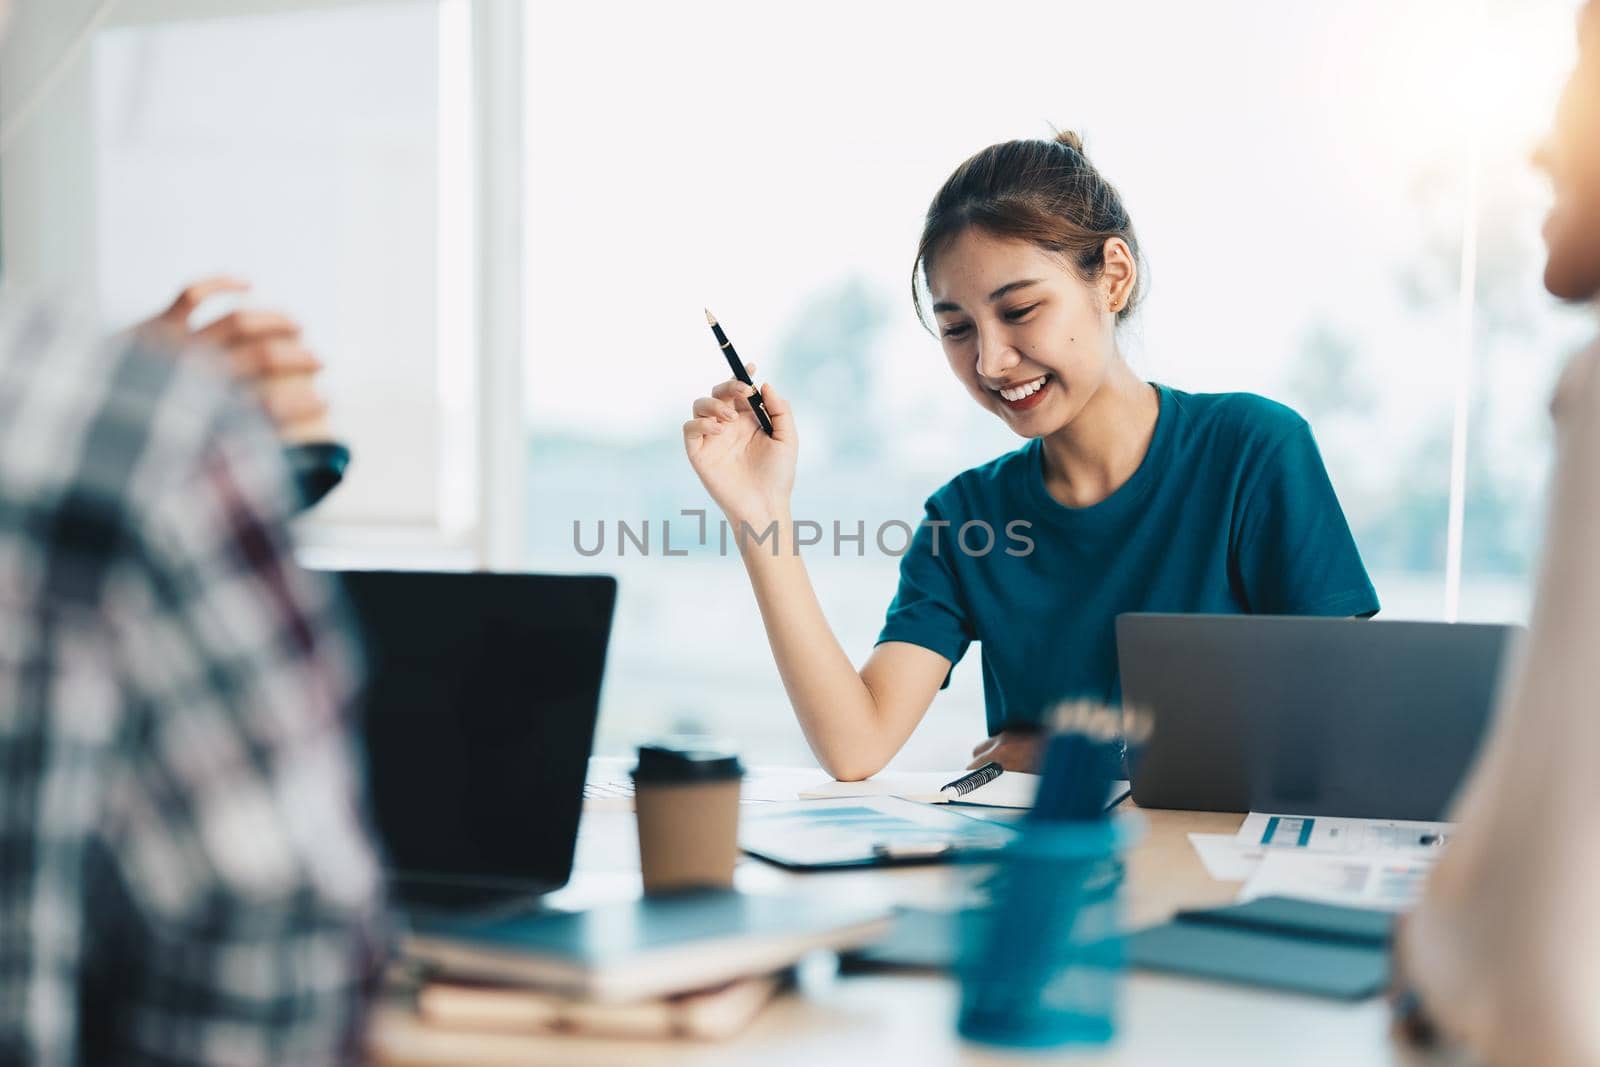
478 716
1308 716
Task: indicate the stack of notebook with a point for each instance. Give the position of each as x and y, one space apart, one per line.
705 1015
697 964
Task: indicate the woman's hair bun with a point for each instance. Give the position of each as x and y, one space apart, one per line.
1033 190
1071 140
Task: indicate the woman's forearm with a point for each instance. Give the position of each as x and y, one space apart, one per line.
836 709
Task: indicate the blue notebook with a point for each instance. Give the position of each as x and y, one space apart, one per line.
644 948
1278 942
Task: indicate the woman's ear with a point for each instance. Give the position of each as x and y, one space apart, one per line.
1120 274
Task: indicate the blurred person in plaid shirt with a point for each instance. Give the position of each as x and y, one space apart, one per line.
185 871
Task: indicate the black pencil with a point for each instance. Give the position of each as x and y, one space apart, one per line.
756 403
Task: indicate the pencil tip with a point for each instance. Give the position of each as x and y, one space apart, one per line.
710 318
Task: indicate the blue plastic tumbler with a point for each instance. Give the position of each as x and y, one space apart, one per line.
1041 960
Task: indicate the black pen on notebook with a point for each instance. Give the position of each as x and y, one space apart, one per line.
756 403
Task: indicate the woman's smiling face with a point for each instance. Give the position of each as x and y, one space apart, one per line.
1029 339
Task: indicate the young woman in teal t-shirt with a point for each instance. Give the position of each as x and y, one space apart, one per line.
1134 497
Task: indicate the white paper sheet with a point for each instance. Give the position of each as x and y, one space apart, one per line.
1391 881
1013 789
1321 833
1227 859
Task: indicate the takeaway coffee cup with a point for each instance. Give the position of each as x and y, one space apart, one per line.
687 801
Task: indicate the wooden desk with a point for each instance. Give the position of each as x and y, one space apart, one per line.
909 1018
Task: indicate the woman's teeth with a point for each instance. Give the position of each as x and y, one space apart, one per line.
1026 389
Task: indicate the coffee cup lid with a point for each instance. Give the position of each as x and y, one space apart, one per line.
686 763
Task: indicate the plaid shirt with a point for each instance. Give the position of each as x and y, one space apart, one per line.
185 876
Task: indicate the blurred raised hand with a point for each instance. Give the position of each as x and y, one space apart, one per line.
264 349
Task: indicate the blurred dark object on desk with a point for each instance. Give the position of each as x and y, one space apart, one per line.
316 468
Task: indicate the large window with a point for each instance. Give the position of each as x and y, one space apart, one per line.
1316 186
500 220
320 151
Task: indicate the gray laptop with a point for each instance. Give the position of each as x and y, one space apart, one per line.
1309 716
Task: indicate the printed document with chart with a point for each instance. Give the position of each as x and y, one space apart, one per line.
1370 863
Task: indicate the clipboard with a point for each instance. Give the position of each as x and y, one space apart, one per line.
865 832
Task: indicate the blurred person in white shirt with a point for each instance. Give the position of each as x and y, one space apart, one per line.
1503 954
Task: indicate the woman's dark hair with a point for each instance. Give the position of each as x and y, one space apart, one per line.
1046 192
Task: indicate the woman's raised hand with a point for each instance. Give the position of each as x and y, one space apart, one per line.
748 474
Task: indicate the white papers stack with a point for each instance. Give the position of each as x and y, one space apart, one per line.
1391 882
1368 863
1227 859
1321 833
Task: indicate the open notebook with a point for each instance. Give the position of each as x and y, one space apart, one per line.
1009 789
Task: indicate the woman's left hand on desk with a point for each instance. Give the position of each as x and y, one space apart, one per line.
1015 750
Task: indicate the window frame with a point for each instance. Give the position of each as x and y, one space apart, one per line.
44 238
49 238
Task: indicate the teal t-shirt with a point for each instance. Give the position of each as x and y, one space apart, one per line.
1230 512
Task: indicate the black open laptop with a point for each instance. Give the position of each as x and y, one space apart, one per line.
480 707
1307 716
